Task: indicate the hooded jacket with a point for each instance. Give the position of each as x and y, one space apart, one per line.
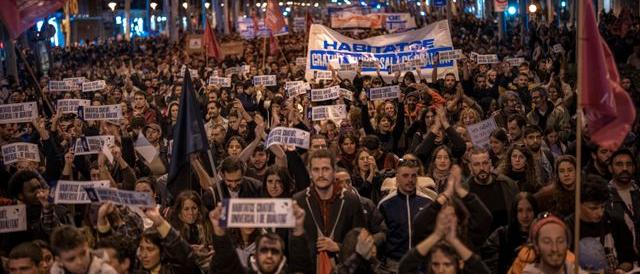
97 266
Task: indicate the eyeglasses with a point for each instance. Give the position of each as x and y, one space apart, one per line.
273 251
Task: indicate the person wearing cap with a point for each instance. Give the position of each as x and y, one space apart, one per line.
159 165
549 250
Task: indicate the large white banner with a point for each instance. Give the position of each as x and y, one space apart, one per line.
326 44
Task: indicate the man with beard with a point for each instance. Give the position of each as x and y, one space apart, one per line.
269 255
494 190
541 156
550 237
213 116
515 126
625 193
509 104
546 115
522 88
258 163
331 211
598 166
481 89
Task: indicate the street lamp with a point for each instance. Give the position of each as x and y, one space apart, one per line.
185 5
207 5
153 5
533 8
112 5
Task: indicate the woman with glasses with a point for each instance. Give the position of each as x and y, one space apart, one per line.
559 196
500 249
520 167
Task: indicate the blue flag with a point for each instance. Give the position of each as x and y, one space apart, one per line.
188 137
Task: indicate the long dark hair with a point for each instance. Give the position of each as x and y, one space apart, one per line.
531 183
448 251
514 229
201 222
285 179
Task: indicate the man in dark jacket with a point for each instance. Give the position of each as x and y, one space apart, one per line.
331 211
625 193
234 184
497 192
603 231
269 257
398 209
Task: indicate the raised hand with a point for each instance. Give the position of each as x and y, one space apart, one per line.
214 217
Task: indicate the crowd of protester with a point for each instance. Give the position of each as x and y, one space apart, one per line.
396 187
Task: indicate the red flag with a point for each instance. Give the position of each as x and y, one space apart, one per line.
273 45
309 20
211 46
18 15
273 18
608 108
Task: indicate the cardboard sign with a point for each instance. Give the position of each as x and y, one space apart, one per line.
514 62
290 84
145 148
232 48
72 192
194 43
95 113
265 80
13 218
258 213
120 197
92 144
75 83
384 93
20 151
298 90
346 94
557 48
301 61
299 24
56 86
288 136
192 72
93 86
18 113
480 132
322 75
324 94
448 55
333 112
400 67
487 59
220 81
70 105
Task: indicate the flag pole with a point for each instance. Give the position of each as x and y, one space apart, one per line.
264 51
576 228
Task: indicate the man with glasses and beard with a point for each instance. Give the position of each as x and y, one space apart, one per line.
496 191
625 193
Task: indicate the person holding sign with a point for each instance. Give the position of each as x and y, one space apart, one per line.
161 241
269 257
388 132
27 187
